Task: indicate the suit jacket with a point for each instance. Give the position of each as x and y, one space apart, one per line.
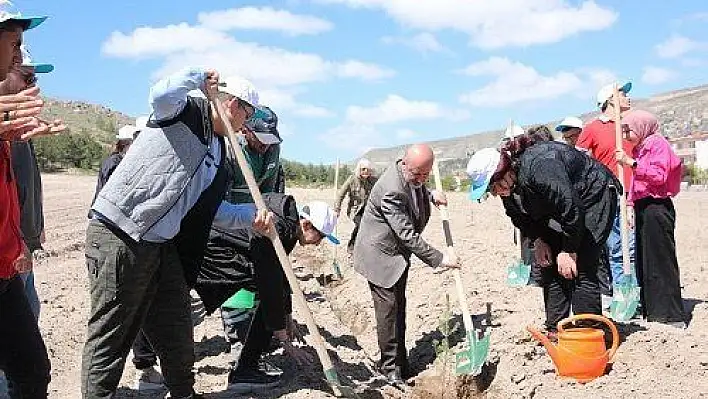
390 231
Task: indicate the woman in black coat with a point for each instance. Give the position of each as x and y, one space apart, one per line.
567 203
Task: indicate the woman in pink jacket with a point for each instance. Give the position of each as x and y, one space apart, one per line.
657 178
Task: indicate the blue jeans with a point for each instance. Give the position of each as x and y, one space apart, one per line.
614 250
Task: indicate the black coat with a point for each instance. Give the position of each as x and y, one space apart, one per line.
247 259
564 197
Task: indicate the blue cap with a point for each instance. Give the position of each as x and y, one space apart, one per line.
265 128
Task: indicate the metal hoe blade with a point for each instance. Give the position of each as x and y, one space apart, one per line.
339 389
625 300
518 273
471 360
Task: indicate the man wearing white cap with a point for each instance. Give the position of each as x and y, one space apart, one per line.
245 263
598 139
570 128
150 226
23 355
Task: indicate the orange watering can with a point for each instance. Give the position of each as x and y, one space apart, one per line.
580 353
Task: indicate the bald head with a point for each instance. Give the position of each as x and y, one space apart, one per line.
417 164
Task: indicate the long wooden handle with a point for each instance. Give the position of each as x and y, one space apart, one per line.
300 302
466 318
624 225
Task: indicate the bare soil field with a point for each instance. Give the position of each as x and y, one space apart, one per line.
653 361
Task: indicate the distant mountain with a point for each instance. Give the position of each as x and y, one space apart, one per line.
100 122
681 112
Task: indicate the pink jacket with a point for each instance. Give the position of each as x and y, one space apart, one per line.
658 171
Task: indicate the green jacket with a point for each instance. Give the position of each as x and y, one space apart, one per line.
358 190
265 170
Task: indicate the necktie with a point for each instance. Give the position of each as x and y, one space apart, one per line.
420 201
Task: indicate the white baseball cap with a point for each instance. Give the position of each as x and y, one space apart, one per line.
606 91
322 217
141 122
27 61
480 169
568 122
127 132
245 90
513 131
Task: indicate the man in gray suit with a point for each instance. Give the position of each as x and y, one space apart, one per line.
395 215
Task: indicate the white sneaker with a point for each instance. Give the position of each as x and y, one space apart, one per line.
149 379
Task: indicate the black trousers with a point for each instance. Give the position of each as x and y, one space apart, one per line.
390 310
582 293
352 238
604 274
657 267
23 355
144 355
257 343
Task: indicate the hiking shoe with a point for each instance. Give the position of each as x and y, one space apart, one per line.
149 379
269 368
247 380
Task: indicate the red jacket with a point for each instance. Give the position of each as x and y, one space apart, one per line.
10 236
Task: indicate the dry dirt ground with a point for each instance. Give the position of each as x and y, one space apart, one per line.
653 361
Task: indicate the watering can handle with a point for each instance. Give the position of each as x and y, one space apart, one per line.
605 320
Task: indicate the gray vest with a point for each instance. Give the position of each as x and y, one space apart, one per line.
151 178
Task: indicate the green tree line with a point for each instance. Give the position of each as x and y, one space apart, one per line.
69 150
311 175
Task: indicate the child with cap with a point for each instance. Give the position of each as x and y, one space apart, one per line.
246 260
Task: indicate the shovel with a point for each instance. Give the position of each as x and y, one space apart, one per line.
626 293
299 298
471 359
335 263
518 272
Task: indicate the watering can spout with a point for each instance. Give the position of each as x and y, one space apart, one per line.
542 338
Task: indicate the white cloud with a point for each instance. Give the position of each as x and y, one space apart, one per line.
353 138
677 45
185 45
405 134
654 75
285 100
598 77
496 24
362 70
423 42
515 82
394 109
157 42
264 18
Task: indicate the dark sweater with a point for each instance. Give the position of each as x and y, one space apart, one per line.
247 259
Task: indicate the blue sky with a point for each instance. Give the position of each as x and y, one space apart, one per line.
347 75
